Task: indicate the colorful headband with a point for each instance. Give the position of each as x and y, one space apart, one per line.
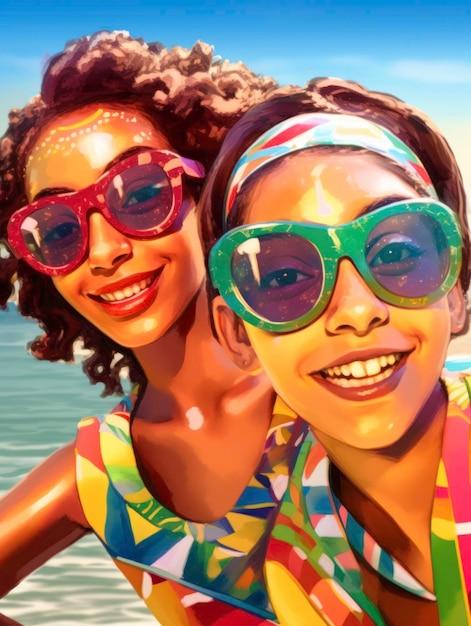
322 129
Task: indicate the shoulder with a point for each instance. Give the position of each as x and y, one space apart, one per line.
50 487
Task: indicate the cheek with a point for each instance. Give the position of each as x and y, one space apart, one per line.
433 323
67 286
186 247
279 355
70 288
435 328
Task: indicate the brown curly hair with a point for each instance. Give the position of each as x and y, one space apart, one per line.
332 95
193 98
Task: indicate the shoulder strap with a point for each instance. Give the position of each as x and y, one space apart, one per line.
91 477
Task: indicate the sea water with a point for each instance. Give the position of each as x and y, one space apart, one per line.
40 405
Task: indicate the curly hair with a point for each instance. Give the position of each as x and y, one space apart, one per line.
332 95
193 97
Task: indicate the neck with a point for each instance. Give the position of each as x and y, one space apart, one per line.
401 478
187 367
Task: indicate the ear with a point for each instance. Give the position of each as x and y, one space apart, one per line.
233 337
458 311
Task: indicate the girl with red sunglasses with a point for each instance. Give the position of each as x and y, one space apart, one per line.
100 176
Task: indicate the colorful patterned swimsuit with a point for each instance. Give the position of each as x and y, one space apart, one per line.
211 574
310 562
188 574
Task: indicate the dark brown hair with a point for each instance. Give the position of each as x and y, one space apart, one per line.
328 95
192 98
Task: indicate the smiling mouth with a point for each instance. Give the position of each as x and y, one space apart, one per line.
362 373
128 292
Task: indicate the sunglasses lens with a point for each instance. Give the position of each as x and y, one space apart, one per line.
53 235
408 254
141 197
279 276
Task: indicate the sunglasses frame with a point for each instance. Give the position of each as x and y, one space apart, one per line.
334 243
92 198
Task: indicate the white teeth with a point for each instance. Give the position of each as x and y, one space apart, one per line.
360 373
345 369
127 292
373 367
355 382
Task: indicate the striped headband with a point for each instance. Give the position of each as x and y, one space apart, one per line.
322 129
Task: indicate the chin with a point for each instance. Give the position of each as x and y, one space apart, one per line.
135 333
374 437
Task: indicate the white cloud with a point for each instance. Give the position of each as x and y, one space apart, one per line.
449 72
419 70
298 70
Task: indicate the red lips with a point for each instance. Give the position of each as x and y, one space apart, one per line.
135 304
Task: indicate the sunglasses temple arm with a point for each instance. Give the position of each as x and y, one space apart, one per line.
193 168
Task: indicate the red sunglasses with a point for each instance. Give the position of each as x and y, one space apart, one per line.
140 196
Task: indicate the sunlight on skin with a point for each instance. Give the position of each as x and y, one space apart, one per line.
70 155
97 137
195 418
349 184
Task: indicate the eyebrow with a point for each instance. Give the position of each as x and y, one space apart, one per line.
54 191
379 203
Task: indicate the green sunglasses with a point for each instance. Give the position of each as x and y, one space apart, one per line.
279 276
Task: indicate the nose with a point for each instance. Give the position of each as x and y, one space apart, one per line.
107 247
354 308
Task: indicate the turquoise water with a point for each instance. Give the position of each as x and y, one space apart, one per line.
41 403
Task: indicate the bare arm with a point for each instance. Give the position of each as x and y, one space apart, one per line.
39 517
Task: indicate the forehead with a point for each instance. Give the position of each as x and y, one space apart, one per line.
72 150
327 187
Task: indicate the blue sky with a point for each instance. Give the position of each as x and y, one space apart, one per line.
419 51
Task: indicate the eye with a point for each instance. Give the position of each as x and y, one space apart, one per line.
62 233
396 257
141 195
283 277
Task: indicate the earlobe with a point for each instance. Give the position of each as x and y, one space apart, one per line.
233 337
458 310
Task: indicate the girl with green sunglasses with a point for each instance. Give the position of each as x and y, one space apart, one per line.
340 266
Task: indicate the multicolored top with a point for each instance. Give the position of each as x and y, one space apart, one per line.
287 549
187 573
310 562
